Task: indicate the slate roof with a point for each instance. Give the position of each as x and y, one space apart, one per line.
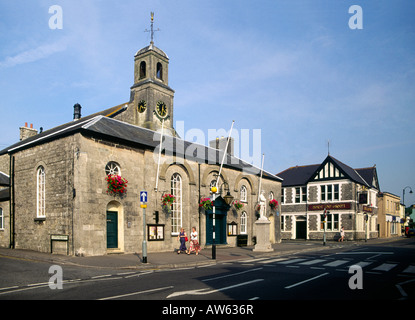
301 175
298 175
102 126
4 179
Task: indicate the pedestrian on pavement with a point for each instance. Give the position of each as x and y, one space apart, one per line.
182 238
341 235
194 243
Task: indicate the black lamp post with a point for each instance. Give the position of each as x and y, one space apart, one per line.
403 194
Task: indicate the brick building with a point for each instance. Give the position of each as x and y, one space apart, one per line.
56 198
349 197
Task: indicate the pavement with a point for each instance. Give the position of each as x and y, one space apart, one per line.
166 260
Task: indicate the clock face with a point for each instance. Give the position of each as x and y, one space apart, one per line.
141 106
161 109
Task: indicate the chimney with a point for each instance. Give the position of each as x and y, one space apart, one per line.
26 132
220 144
77 111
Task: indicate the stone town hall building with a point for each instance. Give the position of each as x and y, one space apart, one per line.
53 188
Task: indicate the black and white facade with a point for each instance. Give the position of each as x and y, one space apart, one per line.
347 195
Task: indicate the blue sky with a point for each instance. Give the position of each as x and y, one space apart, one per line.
292 68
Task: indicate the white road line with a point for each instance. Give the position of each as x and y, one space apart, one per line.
410 269
336 263
291 261
362 264
231 275
273 260
311 279
365 252
385 267
310 262
136 293
252 260
204 292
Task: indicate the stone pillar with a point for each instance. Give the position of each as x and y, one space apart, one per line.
263 243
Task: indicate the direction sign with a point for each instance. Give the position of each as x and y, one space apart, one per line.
143 196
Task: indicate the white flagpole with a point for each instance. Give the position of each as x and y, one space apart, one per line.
214 196
224 154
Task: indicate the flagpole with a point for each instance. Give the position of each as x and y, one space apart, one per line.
214 190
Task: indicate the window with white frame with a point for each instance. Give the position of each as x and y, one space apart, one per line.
300 194
41 192
332 222
243 222
1 219
243 194
271 195
282 195
282 223
176 191
330 192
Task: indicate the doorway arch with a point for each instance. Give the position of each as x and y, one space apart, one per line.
115 226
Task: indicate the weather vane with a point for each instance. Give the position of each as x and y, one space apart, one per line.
151 28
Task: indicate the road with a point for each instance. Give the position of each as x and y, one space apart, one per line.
363 272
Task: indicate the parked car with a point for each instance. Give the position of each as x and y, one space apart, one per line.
409 232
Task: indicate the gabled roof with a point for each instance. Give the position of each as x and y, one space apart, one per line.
62 130
298 175
370 175
102 126
301 175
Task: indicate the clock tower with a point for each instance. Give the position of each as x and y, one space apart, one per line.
151 98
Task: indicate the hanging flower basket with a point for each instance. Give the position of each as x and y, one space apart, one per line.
116 185
206 203
273 204
167 200
238 204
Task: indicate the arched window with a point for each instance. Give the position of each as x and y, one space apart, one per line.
271 195
41 192
243 194
176 191
243 222
142 69
112 168
159 73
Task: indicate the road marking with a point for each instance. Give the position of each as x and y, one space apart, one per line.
362 263
385 267
136 293
311 279
273 260
410 269
307 263
231 275
336 263
365 252
291 261
253 260
204 292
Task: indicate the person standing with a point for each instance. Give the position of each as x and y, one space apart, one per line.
194 243
341 235
182 238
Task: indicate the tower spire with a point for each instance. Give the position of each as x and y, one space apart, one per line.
152 29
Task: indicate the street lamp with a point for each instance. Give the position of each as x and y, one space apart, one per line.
403 194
